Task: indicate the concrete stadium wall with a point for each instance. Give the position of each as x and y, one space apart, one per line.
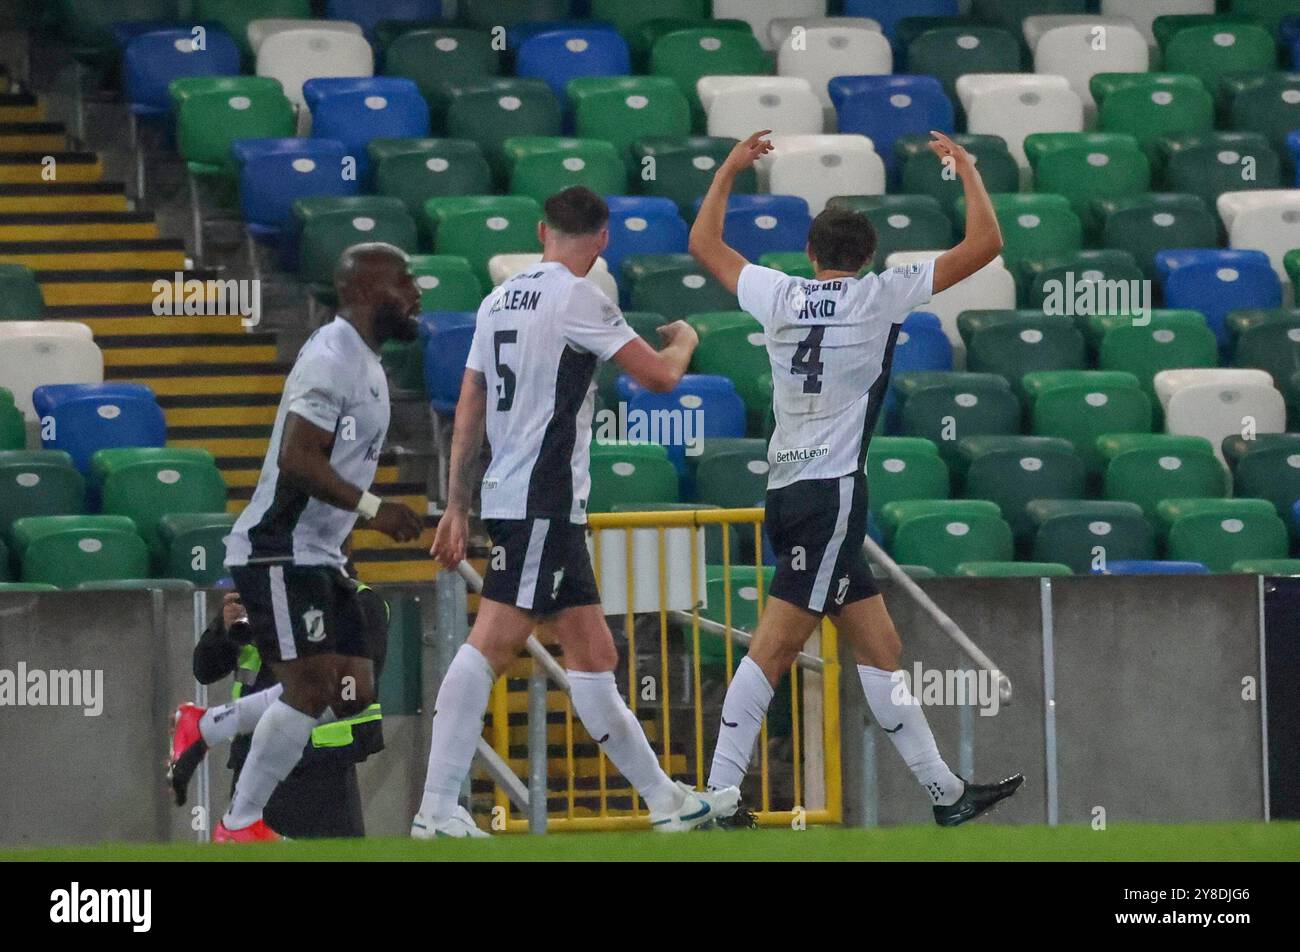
1150 720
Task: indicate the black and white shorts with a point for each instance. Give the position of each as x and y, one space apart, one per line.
298 610
539 565
817 528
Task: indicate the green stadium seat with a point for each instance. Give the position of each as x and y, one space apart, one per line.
1086 534
748 590
330 225
682 169
1212 50
486 14
540 166
947 52
1274 567
1264 103
20 294
13 425
1145 224
235 15
922 173
1086 167
1033 226
1014 343
1146 469
6 587
1013 470
641 39
1151 105
1207 164
38 483
67 550
194 545
87 25
732 477
623 109
446 282
675 286
136 585
739 353
902 222
1077 282
1171 340
1269 340
492 110
438 58
1013 569
945 407
795 263
480 226
1081 405
1291 262
213 111
630 473
1269 468
685 55
1220 532
416 170
901 467
148 483
626 17
941 534
710 322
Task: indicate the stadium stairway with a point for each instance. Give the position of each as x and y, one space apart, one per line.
97 261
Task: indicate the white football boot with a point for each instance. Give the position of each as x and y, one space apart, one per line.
699 807
460 825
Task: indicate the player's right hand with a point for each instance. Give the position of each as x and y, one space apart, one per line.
450 540
397 522
678 332
947 150
746 153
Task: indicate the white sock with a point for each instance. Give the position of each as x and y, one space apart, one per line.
616 729
278 742
457 726
900 716
219 725
743 710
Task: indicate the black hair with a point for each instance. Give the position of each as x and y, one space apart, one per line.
841 240
576 211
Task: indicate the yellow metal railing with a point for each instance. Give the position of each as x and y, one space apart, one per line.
810 775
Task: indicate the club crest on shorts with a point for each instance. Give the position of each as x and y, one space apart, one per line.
843 590
314 622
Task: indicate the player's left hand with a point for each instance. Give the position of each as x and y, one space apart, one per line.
449 541
749 151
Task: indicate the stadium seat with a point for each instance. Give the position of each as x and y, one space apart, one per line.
921 172
1220 532
1153 567
1217 403
941 535
1013 470
1081 405
630 473
794 263
369 13
152 60
479 227
1217 282
1150 106
1143 13
447 338
1012 569
825 49
1270 567
921 345
1210 51
416 170
734 477
627 17
493 110
1086 281
214 112
949 52
438 58
68 550
735 106
740 354
1172 339
33 353
756 224
747 587
236 15
502 267
38 483
816 168
331 225
642 225
902 222
81 419
1267 220
888 12
541 166
1144 225
1208 164
900 467
1267 104
263 28
274 173
623 109
1015 343
146 484
296 56
1016 105
195 545
560 55
1088 167
759 14
947 407
686 55
89 25
683 168
990 288
446 283
1268 340
1012 13
711 322
20 294
1145 469
674 286
1087 534
887 108
13 426
1079 47
701 405
357 111
1033 226
1270 469
485 14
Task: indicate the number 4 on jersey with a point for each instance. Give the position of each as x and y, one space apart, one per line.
807 360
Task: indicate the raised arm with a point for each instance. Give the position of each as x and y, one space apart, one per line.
466 448
983 240
660 371
722 261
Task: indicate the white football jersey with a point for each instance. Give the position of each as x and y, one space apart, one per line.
830 344
538 340
338 384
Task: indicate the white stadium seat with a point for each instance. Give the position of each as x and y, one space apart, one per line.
1079 47
35 353
259 30
504 267
760 13
1267 220
991 288
817 168
295 56
736 106
820 53
1144 12
1215 403
1015 105
780 28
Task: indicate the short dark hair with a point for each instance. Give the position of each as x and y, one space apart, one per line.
576 211
841 240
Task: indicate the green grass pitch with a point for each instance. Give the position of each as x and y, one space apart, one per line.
1145 842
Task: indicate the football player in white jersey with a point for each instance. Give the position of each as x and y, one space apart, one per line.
528 386
285 552
830 341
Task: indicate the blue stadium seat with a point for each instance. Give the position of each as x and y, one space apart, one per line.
274 173
447 338
356 110
1293 147
1152 567
642 225
708 404
368 14
757 224
1295 517
885 108
81 419
888 12
922 345
559 55
1217 281
153 60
